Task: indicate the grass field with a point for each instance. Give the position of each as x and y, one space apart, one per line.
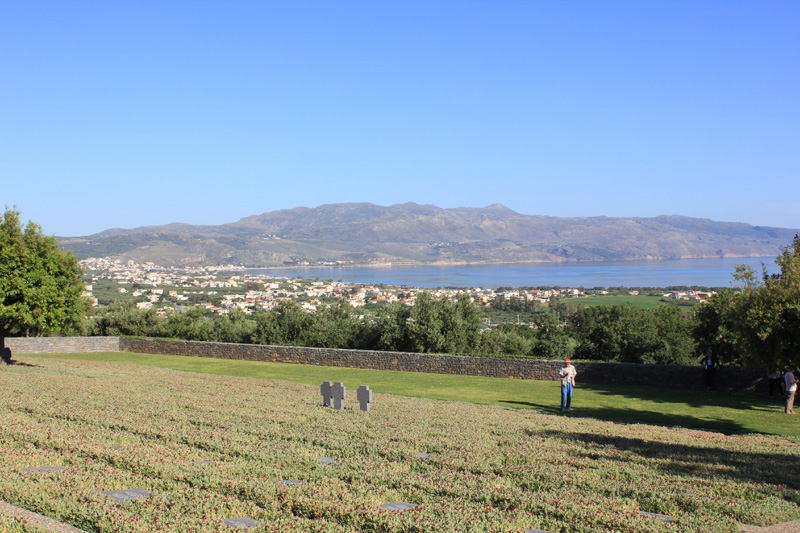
113 425
640 301
730 413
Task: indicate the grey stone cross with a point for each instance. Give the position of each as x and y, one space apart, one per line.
364 396
339 392
327 395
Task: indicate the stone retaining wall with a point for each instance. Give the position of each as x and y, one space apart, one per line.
62 344
672 376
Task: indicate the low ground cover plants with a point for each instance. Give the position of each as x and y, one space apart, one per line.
213 447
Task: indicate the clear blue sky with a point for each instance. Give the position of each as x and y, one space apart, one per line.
131 113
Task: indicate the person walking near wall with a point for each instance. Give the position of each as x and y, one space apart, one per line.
709 364
567 375
791 389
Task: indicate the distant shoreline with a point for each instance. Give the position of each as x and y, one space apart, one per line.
498 263
714 272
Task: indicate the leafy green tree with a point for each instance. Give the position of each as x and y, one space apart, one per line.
286 325
624 333
507 339
389 330
427 325
191 325
124 319
443 326
757 325
552 339
337 326
40 284
235 326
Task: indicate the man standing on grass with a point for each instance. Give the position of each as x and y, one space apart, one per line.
791 390
567 375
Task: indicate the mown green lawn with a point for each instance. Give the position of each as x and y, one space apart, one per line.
720 411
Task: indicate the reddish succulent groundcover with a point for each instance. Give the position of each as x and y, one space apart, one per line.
194 451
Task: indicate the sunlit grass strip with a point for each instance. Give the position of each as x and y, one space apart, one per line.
489 468
721 411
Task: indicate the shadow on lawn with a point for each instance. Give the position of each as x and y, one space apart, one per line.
709 462
14 362
691 398
631 402
631 415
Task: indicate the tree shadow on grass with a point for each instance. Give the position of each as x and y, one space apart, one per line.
641 405
629 415
14 362
708 462
690 398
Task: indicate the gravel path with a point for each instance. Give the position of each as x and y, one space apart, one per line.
786 527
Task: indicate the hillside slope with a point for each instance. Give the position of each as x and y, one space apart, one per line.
363 233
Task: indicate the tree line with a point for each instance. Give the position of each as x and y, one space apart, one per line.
608 333
754 325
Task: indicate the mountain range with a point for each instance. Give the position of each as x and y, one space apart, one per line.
364 233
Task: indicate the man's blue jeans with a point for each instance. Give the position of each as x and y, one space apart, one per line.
566 396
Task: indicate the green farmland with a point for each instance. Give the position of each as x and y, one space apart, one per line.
639 301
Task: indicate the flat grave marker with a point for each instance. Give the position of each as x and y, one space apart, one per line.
664 518
241 522
326 460
292 482
127 494
398 507
422 455
44 469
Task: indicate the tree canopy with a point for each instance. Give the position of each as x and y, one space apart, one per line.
40 284
757 325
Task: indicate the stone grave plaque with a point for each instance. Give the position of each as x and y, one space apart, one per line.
398 507
326 460
127 494
664 518
339 392
364 396
241 522
292 482
118 446
422 455
327 395
44 469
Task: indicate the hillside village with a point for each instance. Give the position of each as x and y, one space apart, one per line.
222 288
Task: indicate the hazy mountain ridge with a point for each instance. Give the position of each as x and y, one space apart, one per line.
363 233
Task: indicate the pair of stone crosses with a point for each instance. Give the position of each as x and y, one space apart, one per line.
333 395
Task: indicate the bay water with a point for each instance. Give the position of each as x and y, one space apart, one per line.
716 272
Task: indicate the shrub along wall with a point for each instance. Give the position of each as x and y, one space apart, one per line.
682 377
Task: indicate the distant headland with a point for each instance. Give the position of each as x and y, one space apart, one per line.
413 234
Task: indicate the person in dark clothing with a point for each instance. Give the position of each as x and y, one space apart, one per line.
709 364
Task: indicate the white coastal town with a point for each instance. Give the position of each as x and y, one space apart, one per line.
222 288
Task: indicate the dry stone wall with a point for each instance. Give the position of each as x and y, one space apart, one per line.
62 344
672 376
